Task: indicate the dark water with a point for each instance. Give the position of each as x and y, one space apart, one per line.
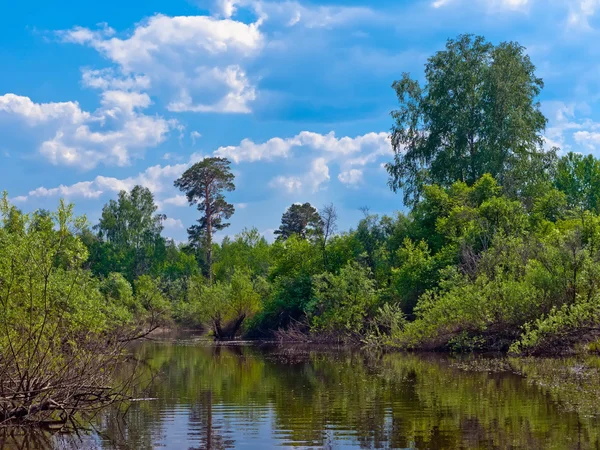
259 398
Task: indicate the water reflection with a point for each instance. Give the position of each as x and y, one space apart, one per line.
259 398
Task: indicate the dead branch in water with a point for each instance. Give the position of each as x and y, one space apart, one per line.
52 391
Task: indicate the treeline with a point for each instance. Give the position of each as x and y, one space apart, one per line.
498 250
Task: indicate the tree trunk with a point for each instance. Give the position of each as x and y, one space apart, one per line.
218 331
209 213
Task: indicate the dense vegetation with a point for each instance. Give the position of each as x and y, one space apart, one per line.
499 250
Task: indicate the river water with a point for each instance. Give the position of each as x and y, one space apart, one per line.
261 397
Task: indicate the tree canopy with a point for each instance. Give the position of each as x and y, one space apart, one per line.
132 230
300 219
477 113
204 185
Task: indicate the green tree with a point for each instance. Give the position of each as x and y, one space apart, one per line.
578 177
302 220
58 338
204 185
131 228
294 263
342 303
224 305
476 114
248 249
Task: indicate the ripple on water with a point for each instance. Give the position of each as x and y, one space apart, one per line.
261 398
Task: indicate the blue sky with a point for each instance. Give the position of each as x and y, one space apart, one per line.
99 96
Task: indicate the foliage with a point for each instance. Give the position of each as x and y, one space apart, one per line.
58 339
342 303
499 249
476 114
302 220
249 250
224 305
131 230
568 326
204 184
578 177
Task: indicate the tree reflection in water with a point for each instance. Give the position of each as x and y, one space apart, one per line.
242 396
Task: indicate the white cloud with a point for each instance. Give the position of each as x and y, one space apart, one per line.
172 224
351 177
226 8
291 13
370 143
37 113
569 128
241 205
319 174
346 145
172 157
83 189
81 35
195 136
289 184
239 92
580 13
106 79
589 139
347 152
440 3
156 178
250 151
312 180
195 60
113 134
364 149
178 200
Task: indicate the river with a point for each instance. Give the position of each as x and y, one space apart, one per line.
260 397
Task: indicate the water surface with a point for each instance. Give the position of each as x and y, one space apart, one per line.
258 397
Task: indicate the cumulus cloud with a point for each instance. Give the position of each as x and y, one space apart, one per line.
347 152
156 178
570 127
232 79
250 151
83 189
172 224
319 174
113 134
350 154
351 177
377 143
195 60
37 113
106 79
178 200
312 180
589 139
289 184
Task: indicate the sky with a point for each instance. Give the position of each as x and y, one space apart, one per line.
96 97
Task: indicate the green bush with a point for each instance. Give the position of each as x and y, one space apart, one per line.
342 303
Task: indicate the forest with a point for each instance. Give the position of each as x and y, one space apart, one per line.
497 248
